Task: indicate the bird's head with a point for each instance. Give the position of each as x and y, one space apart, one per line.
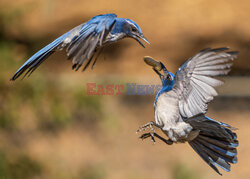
134 31
167 77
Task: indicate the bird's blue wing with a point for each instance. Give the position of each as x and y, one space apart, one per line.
34 61
81 43
194 80
92 35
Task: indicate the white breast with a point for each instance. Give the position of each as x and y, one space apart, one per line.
166 110
167 115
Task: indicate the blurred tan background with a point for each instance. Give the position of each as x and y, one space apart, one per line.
50 128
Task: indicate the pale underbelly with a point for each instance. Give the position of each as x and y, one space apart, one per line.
167 115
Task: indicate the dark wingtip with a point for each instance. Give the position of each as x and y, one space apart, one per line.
13 78
220 49
205 49
236 53
233 53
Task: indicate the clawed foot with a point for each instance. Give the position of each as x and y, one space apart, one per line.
152 134
146 126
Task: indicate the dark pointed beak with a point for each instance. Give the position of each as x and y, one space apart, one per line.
138 37
158 73
144 38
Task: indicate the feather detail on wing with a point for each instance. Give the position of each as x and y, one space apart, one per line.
194 80
92 34
33 62
81 43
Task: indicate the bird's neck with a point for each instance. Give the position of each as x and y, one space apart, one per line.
165 88
114 37
117 31
118 26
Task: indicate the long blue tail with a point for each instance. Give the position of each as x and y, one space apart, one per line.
216 143
33 62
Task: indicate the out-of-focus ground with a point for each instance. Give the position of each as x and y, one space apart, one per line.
50 128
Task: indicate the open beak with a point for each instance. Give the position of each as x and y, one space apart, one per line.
138 37
158 73
157 67
144 38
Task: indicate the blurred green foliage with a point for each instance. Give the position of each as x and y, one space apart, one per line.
92 172
21 167
181 171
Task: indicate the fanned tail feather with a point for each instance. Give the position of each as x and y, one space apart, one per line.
216 143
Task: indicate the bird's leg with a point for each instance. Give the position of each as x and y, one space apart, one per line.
153 134
150 125
146 135
169 141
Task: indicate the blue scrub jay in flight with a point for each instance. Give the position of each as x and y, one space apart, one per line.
181 104
83 41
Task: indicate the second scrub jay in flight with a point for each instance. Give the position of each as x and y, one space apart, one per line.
181 104
83 41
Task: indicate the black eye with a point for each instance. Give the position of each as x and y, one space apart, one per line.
168 77
133 29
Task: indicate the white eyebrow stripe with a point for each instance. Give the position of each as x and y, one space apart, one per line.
131 24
